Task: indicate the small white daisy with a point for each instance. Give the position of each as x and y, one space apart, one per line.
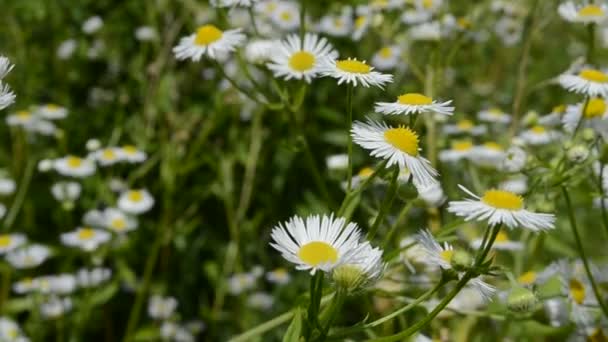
10 331
92 25
538 135
414 103
279 276
399 146
336 26
316 242
459 150
22 118
5 66
414 16
428 31
118 222
489 154
502 242
87 239
433 196
146 33
66 191
135 201
7 97
28 257
73 166
241 282
52 111
362 270
55 307
132 154
588 81
107 156
292 59
500 207
286 16
208 40
509 30
554 118
9 242
66 49
337 162
586 14
260 301
387 58
161 308
92 277
595 112
575 284
464 126
7 186
495 115
352 71
61 284
259 51
514 160
517 185
361 26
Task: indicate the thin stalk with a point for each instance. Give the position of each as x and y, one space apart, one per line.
350 195
349 111
402 214
581 251
590 43
316 174
237 86
316 288
302 22
603 193
386 204
20 197
488 245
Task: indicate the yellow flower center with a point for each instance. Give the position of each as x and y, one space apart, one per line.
403 139
465 125
129 149
24 114
463 145
52 107
338 22
501 199
280 272
427 3
577 291
366 172
318 252
108 154
86 234
593 75
538 129
463 23
447 255
118 224
493 146
5 240
135 196
502 237
302 61
74 162
559 109
595 108
285 16
591 11
207 34
527 278
495 111
353 66
360 21
414 99
386 52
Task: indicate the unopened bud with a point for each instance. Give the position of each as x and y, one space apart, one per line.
349 277
461 260
578 153
521 299
588 134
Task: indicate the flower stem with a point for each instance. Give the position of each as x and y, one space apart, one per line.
581 251
386 204
603 197
349 111
20 197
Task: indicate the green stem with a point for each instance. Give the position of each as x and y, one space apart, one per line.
349 111
402 215
20 197
352 194
603 199
312 165
485 250
316 289
581 251
302 22
386 204
238 87
590 43
330 313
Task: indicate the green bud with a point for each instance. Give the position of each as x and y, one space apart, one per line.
578 153
588 134
349 277
568 144
521 299
461 260
67 205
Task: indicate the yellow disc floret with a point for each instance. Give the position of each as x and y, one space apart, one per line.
318 252
414 99
596 107
593 75
501 199
302 61
353 66
207 34
591 11
403 139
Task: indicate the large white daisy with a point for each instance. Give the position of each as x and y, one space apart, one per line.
588 81
583 13
352 71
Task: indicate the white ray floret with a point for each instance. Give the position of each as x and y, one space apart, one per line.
354 72
588 81
414 103
210 41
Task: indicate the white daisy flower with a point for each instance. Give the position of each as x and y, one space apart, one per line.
55 307
589 81
94 218
554 118
502 242
595 112
93 144
7 97
464 127
28 257
414 103
459 150
87 239
92 25
161 308
500 207
73 166
292 59
286 16
118 222
233 3
7 186
336 26
279 276
170 331
260 51
495 115
25 285
509 30
575 284
518 185
66 49
399 146
5 66
135 201
9 242
586 13
10 331
489 154
132 154
433 196
43 127
428 5
107 156
241 282
146 33
22 118
208 40
316 242
414 16
429 31
387 58
337 162
66 191
514 160
92 277
51 112
538 135
61 284
360 26
352 71
260 301
363 174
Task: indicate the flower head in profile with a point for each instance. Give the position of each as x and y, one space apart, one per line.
589 13
92 277
51 111
210 41
73 166
354 72
9 242
494 115
588 81
459 150
501 207
294 59
28 257
399 146
538 135
118 222
502 243
387 58
85 238
10 331
135 201
316 242
362 270
414 103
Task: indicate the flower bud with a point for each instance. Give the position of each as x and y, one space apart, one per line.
93 145
578 153
515 160
588 134
349 277
461 260
45 165
521 299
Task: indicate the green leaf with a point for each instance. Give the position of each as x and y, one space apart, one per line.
149 333
105 294
295 328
